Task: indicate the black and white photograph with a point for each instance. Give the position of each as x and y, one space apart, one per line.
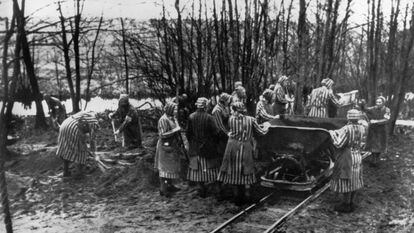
187 116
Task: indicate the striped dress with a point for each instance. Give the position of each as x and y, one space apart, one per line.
262 113
347 172
319 100
238 165
280 101
72 142
168 152
204 160
221 116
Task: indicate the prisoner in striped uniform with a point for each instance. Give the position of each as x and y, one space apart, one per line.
131 125
202 133
168 151
72 140
238 165
239 95
347 172
377 139
263 107
319 99
221 116
279 95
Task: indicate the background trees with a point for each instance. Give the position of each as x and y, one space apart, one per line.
206 46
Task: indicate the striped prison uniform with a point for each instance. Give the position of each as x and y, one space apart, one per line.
201 134
280 94
71 141
221 116
167 157
347 174
262 113
279 100
238 164
319 100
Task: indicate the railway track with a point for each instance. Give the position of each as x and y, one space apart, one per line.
260 216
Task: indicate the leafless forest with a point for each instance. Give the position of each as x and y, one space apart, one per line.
203 51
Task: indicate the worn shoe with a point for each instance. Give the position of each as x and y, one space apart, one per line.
343 208
172 188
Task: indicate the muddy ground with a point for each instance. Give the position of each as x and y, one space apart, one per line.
125 198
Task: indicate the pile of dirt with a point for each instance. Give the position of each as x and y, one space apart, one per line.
140 177
38 162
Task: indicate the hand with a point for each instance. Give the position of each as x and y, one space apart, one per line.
373 121
116 132
110 115
277 117
266 125
128 119
177 129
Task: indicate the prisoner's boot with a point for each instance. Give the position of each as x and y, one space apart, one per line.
220 194
248 195
345 206
202 191
66 172
164 188
80 172
239 195
172 188
352 201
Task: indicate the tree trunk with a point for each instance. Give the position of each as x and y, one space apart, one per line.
75 38
40 115
125 54
88 84
302 56
399 91
4 128
65 48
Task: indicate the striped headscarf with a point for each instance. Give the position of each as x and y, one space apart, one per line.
224 98
327 82
86 120
282 79
241 91
354 114
238 84
239 107
169 108
201 103
381 98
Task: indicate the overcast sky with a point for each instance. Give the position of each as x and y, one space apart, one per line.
146 9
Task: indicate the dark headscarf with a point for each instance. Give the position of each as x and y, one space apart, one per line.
268 95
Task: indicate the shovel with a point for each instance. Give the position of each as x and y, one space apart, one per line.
114 130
